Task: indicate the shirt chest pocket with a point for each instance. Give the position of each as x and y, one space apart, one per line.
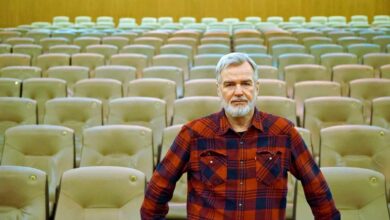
213 167
269 165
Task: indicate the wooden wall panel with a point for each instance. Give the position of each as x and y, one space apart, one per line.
16 12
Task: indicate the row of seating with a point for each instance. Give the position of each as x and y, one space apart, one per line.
140 61
157 38
79 113
128 22
299 80
343 146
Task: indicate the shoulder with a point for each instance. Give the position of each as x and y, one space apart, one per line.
205 126
276 125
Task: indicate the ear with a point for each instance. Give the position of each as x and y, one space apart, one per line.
218 89
257 85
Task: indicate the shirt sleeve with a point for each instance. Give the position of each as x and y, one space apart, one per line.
162 184
317 192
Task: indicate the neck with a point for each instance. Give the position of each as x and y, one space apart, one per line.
240 124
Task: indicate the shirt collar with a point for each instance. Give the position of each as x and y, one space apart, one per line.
224 124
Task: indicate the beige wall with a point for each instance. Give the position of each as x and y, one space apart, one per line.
16 12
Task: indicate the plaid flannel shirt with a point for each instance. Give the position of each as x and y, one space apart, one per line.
238 176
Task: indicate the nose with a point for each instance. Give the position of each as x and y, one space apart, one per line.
238 90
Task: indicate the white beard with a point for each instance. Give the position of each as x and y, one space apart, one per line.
238 111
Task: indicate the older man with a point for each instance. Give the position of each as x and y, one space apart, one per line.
237 159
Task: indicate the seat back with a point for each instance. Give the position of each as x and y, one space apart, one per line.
190 108
109 199
280 106
21 189
41 90
142 111
345 182
21 72
76 113
23 147
366 90
10 87
317 89
380 112
157 88
322 112
118 145
343 74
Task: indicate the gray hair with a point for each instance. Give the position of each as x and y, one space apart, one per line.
235 59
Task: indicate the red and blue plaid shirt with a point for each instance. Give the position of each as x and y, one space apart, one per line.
238 176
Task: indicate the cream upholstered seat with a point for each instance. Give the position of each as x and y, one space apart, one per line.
318 50
304 72
84 41
213 49
76 113
21 72
249 48
106 50
280 49
147 50
99 88
14 59
118 145
67 49
202 72
117 41
329 60
45 61
142 111
30 49
343 74
167 72
24 147
267 72
322 112
190 108
48 42
174 60
124 74
156 88
41 90
358 194
177 205
137 61
10 87
152 41
179 49
362 49
207 59
89 193
385 71
15 111
346 41
293 59
366 90
317 89
376 60
23 193
280 106
382 41
261 59
71 74
200 87
272 87
90 60
380 112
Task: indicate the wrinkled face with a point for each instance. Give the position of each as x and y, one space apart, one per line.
237 90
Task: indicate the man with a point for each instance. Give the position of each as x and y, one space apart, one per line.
237 159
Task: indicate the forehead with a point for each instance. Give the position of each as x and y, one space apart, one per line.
240 72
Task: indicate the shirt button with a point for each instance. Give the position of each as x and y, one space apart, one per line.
241 162
270 158
241 183
241 142
211 161
240 205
